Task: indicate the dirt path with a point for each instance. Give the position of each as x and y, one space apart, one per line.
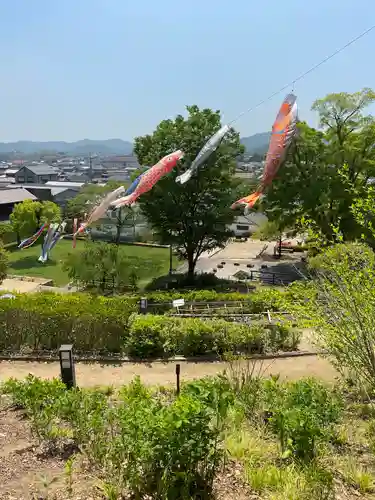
90 375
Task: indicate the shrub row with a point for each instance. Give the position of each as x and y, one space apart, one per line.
44 321
257 301
152 336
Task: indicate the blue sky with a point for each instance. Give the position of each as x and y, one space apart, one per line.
74 69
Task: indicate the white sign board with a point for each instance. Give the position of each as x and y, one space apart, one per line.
178 303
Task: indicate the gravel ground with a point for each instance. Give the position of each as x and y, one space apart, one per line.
95 374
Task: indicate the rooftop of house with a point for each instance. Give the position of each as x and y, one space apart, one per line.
42 169
64 184
15 196
54 190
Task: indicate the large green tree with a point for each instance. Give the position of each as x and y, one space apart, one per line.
27 216
327 170
104 266
194 217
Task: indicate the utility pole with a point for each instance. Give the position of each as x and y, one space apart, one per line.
90 165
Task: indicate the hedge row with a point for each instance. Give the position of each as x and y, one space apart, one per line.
157 336
44 321
261 300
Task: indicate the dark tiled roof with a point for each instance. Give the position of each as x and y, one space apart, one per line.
42 169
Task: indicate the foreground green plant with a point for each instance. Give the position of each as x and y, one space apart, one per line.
343 308
301 414
143 444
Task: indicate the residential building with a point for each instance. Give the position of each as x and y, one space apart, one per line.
245 225
5 182
120 162
11 172
75 186
59 195
9 198
36 174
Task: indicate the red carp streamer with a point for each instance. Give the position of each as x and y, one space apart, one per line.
150 178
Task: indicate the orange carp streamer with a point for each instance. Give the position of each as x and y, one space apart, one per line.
283 131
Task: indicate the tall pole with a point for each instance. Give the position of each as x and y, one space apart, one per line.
170 260
90 165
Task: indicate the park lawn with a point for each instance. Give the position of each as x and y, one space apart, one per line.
25 262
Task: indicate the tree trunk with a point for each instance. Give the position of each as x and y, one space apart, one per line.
118 226
118 234
191 267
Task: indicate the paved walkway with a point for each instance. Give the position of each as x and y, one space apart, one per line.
94 374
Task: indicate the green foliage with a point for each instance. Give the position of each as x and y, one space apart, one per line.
45 321
262 300
103 265
343 306
84 201
327 170
29 215
7 234
49 212
192 217
173 447
36 397
4 262
269 231
214 392
363 210
151 335
142 445
301 414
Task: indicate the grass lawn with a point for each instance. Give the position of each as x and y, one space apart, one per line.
25 262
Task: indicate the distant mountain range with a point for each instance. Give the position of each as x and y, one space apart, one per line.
257 143
84 147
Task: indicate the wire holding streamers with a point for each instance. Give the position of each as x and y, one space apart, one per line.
214 141
313 68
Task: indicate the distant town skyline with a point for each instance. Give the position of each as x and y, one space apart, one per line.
115 69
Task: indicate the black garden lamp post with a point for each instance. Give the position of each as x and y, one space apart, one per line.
67 368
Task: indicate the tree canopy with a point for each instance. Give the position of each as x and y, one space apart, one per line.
104 266
328 169
27 216
193 217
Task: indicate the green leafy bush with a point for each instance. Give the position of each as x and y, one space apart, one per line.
173 447
301 414
254 302
151 335
44 321
142 444
215 392
37 398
